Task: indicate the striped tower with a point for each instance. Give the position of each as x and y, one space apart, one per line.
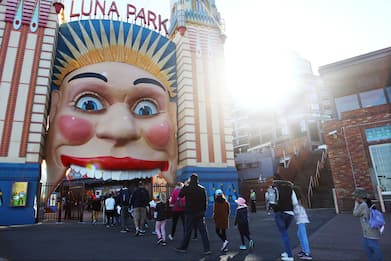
204 131
27 37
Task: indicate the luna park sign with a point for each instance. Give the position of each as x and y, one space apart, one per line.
92 8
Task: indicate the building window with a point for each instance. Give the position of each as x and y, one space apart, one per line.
346 103
379 133
388 91
373 98
314 133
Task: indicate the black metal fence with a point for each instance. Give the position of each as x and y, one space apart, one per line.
71 202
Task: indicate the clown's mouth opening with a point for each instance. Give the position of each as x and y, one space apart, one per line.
110 168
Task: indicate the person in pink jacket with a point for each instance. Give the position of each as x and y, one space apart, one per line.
178 209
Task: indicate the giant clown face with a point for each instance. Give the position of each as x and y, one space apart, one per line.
111 120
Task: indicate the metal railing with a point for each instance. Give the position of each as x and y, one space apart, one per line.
314 179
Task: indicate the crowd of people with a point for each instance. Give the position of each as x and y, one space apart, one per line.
187 205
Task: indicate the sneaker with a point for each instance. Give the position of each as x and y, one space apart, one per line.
287 258
284 254
154 233
242 247
164 243
107 226
301 253
180 250
160 240
306 257
225 244
123 231
207 252
142 231
251 244
170 237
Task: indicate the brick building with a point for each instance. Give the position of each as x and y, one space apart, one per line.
359 137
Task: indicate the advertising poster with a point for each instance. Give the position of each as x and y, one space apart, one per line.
53 201
19 194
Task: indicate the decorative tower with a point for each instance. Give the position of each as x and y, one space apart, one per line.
27 37
204 131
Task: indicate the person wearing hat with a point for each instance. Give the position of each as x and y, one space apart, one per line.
371 236
241 220
221 210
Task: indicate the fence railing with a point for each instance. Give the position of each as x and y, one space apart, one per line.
314 179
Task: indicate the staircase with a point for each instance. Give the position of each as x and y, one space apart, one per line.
322 195
311 174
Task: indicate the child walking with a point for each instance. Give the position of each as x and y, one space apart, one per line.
161 219
221 210
241 220
301 221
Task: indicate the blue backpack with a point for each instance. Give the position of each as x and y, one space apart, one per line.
376 218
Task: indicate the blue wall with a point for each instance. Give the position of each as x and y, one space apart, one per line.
9 173
225 179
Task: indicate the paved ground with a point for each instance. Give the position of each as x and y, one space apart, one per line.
332 237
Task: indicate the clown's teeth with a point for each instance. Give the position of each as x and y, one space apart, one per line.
91 172
106 175
113 175
98 174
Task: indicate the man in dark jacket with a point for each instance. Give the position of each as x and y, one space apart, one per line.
283 213
123 200
194 213
139 203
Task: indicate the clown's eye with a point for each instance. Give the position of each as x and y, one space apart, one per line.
145 108
89 103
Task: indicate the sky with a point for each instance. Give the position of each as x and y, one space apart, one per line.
260 32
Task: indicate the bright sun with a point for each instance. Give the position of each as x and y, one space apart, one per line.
265 82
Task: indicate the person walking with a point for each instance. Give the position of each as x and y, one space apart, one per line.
96 207
253 200
124 202
241 221
178 209
283 213
109 210
301 218
371 235
221 210
161 219
194 213
139 202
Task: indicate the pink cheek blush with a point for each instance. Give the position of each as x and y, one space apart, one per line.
75 130
159 134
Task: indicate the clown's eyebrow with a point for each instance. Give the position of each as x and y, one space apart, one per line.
149 80
89 75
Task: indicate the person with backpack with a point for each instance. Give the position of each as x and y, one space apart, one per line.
371 235
284 202
221 210
178 209
123 201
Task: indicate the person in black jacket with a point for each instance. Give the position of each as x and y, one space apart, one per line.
241 220
283 213
139 202
194 213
